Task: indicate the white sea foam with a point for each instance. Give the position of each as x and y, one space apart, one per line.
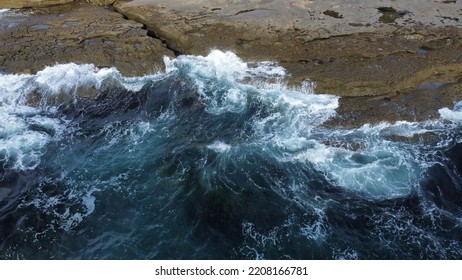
400 128
24 133
74 206
222 65
318 229
363 159
227 84
369 160
296 113
23 138
454 115
261 239
219 79
219 147
348 254
224 82
69 79
72 78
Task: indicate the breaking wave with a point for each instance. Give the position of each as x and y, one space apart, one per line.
216 158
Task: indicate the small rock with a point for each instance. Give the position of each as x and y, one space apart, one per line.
333 14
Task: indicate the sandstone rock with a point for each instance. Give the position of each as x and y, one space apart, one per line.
381 56
30 3
101 2
366 52
257 29
80 33
345 48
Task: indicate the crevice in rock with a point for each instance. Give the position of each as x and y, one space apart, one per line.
112 8
244 11
330 37
250 10
150 33
154 35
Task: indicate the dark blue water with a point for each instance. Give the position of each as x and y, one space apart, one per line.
216 158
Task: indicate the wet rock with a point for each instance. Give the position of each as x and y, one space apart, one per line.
366 62
364 53
367 57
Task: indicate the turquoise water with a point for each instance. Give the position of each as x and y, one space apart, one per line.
216 158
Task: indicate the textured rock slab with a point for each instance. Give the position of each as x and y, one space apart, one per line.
376 54
278 29
80 33
383 57
351 48
30 3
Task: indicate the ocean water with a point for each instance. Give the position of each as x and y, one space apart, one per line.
217 158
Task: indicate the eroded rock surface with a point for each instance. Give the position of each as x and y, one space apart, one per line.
383 57
30 3
80 33
369 52
278 29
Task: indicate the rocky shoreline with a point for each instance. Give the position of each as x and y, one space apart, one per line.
388 60
76 32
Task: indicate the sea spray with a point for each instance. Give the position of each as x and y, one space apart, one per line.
216 158
454 115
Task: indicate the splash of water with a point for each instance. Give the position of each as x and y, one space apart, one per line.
211 144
